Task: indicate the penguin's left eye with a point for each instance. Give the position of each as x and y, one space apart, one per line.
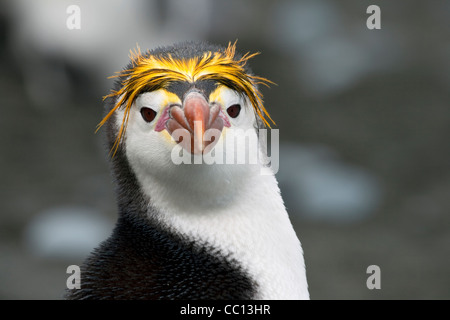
234 110
148 114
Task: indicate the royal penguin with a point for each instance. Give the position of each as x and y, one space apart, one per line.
199 229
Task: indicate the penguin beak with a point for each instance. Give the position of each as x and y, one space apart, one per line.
188 124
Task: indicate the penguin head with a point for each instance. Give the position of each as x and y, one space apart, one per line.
187 99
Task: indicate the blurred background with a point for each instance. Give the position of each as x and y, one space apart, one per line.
364 120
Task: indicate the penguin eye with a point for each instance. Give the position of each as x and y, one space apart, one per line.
148 114
234 110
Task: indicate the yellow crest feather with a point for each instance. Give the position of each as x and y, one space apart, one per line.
150 73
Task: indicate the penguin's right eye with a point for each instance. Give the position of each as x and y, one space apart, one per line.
148 114
234 110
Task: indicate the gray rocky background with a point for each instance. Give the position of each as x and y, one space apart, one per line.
364 120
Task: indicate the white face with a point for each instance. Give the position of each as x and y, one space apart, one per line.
149 148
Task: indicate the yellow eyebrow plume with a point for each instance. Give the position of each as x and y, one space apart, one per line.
152 72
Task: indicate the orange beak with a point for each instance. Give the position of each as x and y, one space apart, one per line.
196 111
193 120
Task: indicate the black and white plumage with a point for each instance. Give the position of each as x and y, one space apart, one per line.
191 231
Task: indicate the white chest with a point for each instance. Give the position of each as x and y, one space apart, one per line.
253 227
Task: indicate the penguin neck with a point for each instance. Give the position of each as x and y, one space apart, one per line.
242 215
199 189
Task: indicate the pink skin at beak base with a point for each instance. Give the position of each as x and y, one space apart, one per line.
193 120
